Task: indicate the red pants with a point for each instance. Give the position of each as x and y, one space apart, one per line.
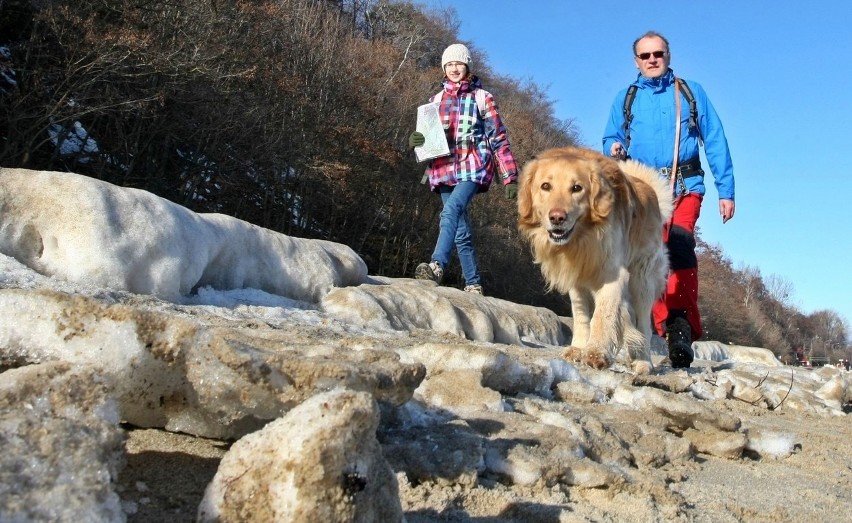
682 286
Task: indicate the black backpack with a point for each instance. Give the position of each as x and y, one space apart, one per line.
687 93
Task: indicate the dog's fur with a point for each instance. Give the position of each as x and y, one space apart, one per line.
595 227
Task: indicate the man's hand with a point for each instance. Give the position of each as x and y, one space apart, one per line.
512 191
617 151
416 139
726 209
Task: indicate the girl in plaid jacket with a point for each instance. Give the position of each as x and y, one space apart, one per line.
479 151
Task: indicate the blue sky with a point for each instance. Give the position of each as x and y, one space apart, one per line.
778 73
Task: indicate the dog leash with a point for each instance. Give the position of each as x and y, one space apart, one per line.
677 134
674 174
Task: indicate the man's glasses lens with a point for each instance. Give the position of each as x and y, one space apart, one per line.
656 54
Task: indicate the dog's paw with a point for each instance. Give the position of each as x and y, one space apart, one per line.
641 367
573 354
596 359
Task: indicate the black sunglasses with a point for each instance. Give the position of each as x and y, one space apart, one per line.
645 56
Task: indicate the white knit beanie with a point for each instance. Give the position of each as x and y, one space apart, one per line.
455 53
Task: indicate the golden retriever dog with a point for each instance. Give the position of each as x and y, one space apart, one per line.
595 227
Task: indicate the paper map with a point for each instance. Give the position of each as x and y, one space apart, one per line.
429 124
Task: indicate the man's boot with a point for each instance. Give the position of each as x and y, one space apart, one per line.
679 339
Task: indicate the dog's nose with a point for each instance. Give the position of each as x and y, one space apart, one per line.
556 216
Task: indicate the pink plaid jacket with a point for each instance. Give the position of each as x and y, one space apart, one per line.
479 145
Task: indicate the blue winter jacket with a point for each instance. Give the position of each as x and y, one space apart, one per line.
652 131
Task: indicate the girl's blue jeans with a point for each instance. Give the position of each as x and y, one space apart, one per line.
456 229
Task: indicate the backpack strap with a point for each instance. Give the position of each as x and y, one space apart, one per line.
628 116
693 107
479 95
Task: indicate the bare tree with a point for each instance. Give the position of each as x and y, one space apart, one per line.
294 114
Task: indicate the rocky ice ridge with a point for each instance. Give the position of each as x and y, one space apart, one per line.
339 389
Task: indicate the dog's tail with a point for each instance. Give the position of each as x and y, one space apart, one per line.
653 178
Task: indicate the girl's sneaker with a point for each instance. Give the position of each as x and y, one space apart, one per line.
475 289
429 271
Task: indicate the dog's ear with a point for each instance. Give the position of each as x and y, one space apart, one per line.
601 194
526 216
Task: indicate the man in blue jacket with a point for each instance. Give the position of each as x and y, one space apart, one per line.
644 129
